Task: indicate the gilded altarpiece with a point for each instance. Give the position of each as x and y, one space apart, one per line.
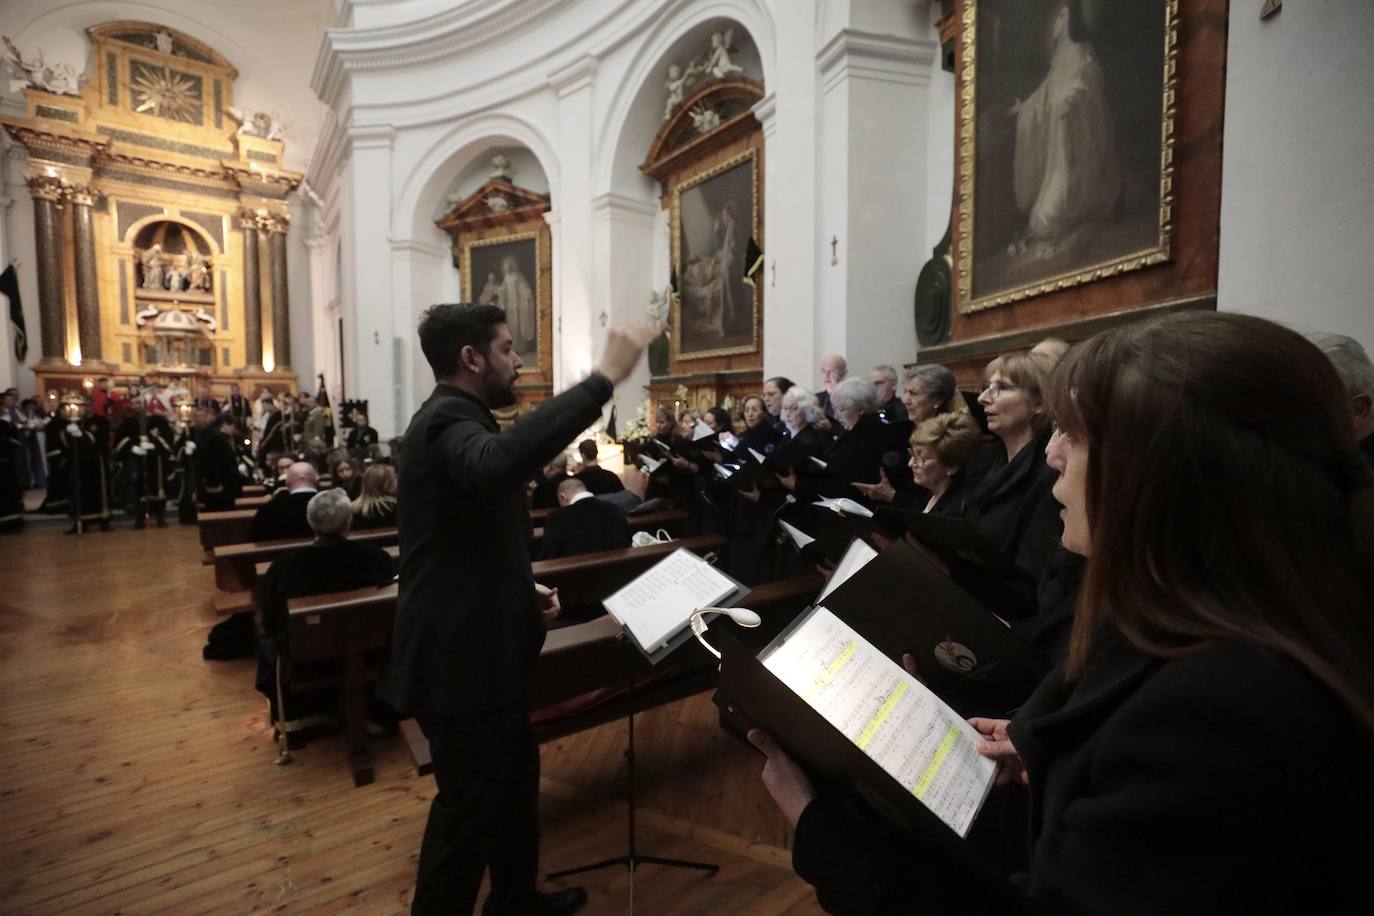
503 250
708 159
161 220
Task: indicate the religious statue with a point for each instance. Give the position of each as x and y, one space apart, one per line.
704 118
176 278
679 81
154 267
500 167
256 123
164 41
496 203
198 273
718 63
59 78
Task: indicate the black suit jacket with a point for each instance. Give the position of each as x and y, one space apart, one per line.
282 516
1201 784
586 526
468 628
1015 510
857 456
331 564
599 480
217 469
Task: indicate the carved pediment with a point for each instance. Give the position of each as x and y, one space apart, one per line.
495 202
713 113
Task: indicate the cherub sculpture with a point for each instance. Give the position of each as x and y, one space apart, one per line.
718 63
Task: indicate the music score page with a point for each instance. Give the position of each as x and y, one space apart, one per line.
888 714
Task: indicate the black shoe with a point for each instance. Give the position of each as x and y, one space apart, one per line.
162 523
557 903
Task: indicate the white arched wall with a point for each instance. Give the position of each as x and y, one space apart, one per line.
632 244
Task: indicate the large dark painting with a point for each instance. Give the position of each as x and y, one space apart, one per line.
505 272
714 216
1065 143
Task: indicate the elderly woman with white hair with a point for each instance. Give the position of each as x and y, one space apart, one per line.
332 563
866 450
1353 365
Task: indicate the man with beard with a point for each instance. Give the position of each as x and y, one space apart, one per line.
470 618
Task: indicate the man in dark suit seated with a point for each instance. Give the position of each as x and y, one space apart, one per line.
283 516
584 524
598 479
332 563
545 495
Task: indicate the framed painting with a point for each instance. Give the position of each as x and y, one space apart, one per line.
504 271
1065 153
714 214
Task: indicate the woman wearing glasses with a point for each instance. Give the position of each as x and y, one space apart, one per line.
1013 507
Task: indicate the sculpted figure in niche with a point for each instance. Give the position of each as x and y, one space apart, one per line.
154 268
718 64
59 78
679 81
1065 166
176 278
198 273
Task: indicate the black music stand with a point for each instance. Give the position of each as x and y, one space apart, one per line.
632 858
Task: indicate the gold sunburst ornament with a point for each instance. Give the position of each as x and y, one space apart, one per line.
167 94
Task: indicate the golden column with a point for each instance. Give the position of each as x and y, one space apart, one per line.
87 289
52 312
252 299
281 301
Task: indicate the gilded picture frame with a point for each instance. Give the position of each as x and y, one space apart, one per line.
1032 232
709 243
508 271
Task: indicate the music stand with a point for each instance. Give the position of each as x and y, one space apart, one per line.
632 859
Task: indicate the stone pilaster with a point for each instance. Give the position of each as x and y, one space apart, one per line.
252 301
52 313
87 288
281 296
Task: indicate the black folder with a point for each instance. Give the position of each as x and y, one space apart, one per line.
975 564
833 531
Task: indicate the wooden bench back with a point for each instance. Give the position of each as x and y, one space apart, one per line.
228 527
237 566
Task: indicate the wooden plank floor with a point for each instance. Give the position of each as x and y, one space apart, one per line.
137 778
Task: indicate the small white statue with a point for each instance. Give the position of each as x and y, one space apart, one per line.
164 41
718 63
154 267
678 82
59 78
704 118
205 318
198 272
143 317
256 123
500 167
496 203
176 278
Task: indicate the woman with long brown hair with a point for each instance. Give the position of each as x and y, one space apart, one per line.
375 506
1213 728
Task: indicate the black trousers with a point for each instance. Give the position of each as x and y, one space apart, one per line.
486 816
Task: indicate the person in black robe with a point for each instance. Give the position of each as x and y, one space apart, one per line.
11 494
183 488
598 479
86 447
58 497
274 438
332 563
362 439
216 465
143 446
283 516
583 524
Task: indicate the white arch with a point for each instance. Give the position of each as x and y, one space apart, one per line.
676 20
436 168
138 225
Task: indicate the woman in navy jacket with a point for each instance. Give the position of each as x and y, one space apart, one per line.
1212 730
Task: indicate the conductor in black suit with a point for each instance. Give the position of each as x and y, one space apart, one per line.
470 618
584 524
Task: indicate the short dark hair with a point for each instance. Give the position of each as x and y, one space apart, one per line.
446 328
587 448
782 381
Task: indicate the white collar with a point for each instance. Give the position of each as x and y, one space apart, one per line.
585 494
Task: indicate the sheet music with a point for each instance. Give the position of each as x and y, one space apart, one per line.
886 713
844 505
702 431
728 440
758 456
855 558
650 464
819 463
799 537
659 603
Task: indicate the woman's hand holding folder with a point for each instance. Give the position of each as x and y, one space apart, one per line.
996 745
791 789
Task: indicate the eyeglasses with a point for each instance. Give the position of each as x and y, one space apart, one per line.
917 459
996 389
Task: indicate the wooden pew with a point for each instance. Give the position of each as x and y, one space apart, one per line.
253 489
236 565
583 675
251 502
350 625
670 520
228 527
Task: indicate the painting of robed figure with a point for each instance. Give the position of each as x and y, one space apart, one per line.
1068 177
505 272
714 216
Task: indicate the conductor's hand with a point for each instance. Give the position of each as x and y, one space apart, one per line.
784 780
548 602
996 745
624 345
